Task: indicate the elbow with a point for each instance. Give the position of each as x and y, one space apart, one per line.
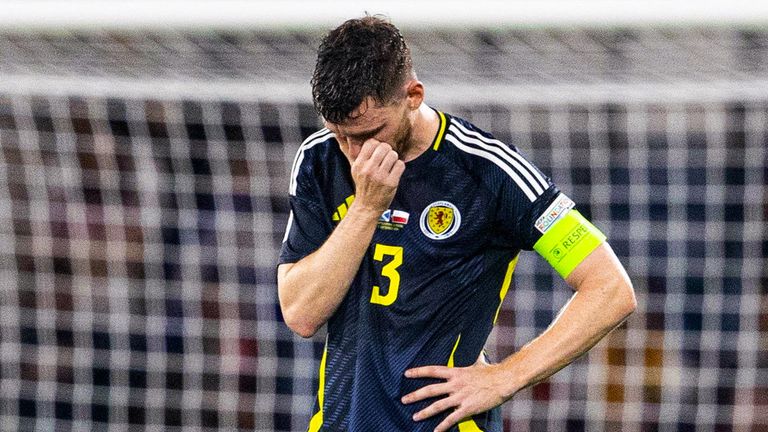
302 328
304 332
295 313
625 297
302 311
299 322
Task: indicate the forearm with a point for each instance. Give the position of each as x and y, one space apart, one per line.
312 289
592 312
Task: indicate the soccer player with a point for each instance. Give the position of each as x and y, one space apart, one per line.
405 228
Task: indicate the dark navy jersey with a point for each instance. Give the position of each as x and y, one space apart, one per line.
432 280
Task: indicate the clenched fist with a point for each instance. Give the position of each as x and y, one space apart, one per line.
376 172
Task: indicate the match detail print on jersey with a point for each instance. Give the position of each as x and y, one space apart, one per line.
440 220
568 241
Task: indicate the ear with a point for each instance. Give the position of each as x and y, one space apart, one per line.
414 92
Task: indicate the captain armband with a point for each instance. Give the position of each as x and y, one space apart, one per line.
568 241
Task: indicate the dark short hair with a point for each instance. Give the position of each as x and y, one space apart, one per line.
360 58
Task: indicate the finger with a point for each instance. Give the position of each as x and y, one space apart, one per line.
426 392
389 161
380 143
436 408
396 172
378 155
443 372
452 419
368 147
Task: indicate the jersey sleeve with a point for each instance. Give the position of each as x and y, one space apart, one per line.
534 215
305 231
308 222
524 194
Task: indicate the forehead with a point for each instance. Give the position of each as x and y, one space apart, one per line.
368 115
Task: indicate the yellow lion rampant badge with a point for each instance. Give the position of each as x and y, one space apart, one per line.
440 220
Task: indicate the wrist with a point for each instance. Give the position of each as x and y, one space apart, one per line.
513 378
362 210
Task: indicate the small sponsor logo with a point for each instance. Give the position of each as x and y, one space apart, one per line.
440 220
554 212
341 210
386 216
558 253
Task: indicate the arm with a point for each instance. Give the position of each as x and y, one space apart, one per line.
311 289
603 298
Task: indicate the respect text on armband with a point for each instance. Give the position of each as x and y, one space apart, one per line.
567 243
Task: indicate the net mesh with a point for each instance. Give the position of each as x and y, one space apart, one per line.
139 236
506 56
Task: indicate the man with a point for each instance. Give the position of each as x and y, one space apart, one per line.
404 232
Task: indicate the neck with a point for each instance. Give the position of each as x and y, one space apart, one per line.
423 132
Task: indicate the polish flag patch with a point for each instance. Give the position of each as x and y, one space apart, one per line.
399 217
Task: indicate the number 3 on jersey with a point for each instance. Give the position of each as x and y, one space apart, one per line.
389 271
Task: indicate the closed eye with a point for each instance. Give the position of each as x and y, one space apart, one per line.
363 136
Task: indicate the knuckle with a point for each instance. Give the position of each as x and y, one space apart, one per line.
440 406
443 404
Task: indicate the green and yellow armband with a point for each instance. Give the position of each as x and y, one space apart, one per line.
566 243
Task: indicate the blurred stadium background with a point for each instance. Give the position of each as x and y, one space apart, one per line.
143 198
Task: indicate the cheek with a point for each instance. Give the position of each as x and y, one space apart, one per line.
402 132
394 135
